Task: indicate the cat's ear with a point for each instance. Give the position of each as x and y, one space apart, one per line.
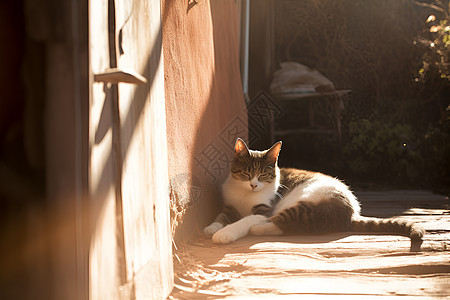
240 147
272 153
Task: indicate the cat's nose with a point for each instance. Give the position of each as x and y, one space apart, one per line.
253 186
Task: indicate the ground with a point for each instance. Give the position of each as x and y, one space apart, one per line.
337 265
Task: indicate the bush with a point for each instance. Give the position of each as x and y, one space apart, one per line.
380 151
435 150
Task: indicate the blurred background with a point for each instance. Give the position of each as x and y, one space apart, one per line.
393 56
70 204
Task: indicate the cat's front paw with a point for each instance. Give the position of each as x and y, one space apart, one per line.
257 230
213 228
224 236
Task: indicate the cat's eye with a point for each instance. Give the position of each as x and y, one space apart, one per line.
246 174
268 169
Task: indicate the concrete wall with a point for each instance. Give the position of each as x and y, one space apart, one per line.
204 104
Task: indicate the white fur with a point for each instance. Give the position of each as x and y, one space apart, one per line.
316 189
241 196
238 229
256 185
268 228
213 228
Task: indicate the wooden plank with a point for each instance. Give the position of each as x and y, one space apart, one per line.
145 182
130 255
104 276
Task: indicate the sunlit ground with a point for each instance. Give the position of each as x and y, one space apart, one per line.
337 265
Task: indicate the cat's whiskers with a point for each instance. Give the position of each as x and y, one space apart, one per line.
283 186
279 195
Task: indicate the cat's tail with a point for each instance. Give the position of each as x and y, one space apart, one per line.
390 226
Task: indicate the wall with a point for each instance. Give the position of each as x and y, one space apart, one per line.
204 104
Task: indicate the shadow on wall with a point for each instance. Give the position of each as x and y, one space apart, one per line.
221 112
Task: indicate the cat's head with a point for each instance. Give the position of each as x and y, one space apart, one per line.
255 169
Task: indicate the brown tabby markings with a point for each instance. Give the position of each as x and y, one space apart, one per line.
245 167
228 215
262 209
329 215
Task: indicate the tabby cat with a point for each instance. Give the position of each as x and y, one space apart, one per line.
263 199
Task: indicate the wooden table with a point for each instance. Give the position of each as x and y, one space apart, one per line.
334 102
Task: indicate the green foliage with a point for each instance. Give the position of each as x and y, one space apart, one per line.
397 154
435 149
436 42
377 149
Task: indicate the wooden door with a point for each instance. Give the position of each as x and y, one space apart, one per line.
130 252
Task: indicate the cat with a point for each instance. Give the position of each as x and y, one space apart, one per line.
262 199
